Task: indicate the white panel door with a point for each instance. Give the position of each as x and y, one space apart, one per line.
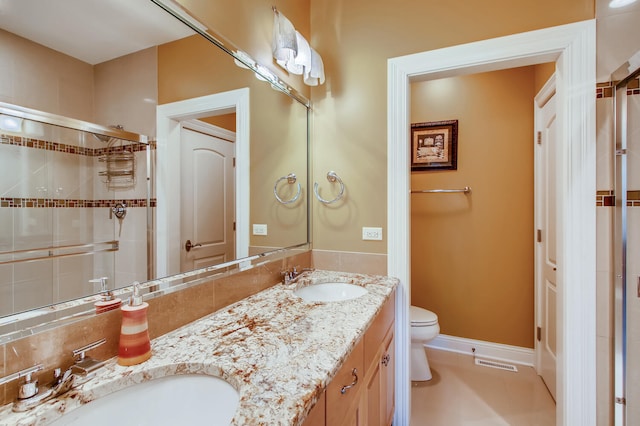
546 256
207 200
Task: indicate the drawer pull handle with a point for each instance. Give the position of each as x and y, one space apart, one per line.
355 382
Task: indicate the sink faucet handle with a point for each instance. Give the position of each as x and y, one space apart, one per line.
79 354
29 387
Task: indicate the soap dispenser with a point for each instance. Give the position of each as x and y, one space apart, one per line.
134 346
107 301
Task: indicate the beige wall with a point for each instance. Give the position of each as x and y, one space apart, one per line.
472 255
249 25
37 77
193 67
356 38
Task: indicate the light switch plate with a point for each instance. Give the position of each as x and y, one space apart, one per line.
371 233
259 229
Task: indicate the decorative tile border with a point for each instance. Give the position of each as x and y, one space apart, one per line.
52 202
71 149
605 90
608 199
605 199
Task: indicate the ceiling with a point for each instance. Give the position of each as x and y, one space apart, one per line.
617 37
93 31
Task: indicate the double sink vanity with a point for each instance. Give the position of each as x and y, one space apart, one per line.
315 350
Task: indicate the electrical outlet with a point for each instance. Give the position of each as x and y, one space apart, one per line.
371 233
259 229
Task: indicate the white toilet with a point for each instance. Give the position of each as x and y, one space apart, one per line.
424 327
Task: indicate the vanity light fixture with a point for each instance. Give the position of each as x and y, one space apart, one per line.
10 123
614 4
293 52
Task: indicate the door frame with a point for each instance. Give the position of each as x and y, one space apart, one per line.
572 47
169 119
540 100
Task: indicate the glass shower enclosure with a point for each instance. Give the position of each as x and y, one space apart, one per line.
74 208
627 245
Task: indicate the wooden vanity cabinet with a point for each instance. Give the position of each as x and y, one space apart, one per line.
370 401
380 360
316 416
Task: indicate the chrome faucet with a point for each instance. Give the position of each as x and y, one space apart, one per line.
30 395
290 276
85 364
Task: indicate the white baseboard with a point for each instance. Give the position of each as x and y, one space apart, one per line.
496 351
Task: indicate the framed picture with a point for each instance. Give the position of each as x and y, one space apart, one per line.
434 145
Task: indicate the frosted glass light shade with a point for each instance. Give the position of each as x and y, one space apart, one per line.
315 75
284 42
620 3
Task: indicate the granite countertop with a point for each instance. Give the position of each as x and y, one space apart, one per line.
277 350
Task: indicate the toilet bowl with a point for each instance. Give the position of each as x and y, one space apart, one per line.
424 327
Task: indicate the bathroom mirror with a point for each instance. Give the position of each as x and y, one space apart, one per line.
116 76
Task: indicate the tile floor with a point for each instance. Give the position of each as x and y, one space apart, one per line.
464 394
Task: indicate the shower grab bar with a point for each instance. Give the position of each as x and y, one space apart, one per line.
465 190
112 246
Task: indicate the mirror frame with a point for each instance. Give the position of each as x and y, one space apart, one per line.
81 308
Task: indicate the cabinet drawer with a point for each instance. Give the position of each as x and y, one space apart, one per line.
378 330
340 404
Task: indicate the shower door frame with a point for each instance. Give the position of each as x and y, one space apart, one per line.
620 136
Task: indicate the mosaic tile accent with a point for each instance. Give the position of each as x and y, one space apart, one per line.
605 90
52 202
608 199
71 149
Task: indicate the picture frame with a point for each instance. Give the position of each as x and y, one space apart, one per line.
434 145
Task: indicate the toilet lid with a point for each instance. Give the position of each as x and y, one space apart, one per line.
420 316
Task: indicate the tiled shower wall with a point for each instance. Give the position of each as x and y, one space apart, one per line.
52 195
605 212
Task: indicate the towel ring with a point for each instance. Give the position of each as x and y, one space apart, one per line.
331 177
291 179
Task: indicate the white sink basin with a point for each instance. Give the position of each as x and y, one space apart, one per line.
187 399
330 292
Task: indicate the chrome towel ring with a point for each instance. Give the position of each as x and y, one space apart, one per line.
331 177
291 179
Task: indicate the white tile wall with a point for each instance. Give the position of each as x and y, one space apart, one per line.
604 144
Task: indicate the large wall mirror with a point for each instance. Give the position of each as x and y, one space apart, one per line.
139 150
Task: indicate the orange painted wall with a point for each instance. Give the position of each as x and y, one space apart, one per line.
226 121
472 255
356 38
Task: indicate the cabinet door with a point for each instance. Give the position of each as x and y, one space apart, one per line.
316 415
374 409
387 380
343 392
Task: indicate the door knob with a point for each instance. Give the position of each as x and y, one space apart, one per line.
188 246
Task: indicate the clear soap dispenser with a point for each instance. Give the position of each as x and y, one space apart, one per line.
107 300
135 346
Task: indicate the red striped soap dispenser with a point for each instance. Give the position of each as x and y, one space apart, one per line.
135 346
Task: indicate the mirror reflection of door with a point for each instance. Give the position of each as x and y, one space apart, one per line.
207 196
546 259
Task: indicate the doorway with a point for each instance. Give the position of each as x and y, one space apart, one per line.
572 47
207 195
169 119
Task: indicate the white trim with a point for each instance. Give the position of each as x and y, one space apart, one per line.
209 129
573 47
169 118
495 351
540 100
